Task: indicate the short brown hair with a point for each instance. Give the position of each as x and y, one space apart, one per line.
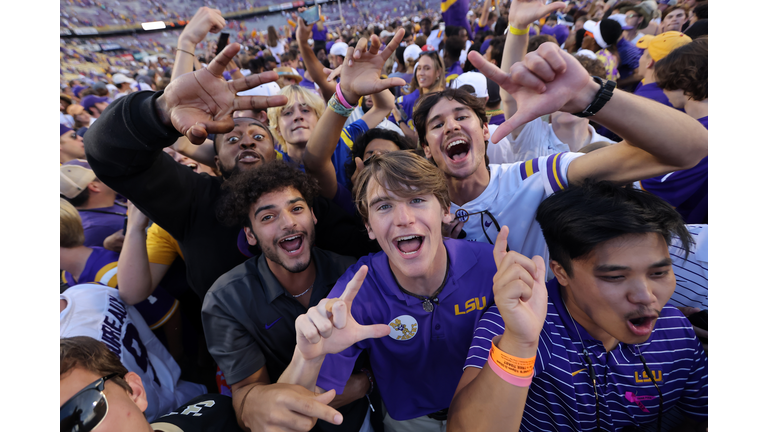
685 68
536 41
71 233
425 104
595 67
403 173
92 355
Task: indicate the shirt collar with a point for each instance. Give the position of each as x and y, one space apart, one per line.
458 265
273 289
573 328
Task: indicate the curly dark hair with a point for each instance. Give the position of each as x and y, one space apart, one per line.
245 188
361 143
685 68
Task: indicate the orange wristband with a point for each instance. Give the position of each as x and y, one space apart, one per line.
513 365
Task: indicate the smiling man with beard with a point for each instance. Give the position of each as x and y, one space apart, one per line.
125 151
248 313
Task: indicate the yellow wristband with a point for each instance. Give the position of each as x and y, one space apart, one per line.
517 31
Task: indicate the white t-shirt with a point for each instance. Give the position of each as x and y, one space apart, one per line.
434 38
358 113
96 310
512 197
278 50
535 140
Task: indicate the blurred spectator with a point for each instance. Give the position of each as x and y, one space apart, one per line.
70 145
95 104
656 48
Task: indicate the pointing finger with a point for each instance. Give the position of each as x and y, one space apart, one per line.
220 62
353 286
500 247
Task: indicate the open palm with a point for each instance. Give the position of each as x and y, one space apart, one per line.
524 12
363 76
201 102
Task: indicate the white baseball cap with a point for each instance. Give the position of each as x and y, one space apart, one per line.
477 80
411 52
266 89
339 49
119 78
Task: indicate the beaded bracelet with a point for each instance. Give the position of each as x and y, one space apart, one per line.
338 108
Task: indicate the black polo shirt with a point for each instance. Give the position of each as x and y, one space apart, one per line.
249 322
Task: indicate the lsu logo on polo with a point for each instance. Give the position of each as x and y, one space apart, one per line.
469 306
644 378
403 327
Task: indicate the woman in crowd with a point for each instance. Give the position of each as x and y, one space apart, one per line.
429 77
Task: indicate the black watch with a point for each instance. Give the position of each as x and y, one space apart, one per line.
602 97
401 121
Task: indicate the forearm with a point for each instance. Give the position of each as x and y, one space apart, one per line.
488 401
356 388
410 134
184 60
675 139
383 104
240 396
302 372
515 49
134 280
484 16
315 69
202 153
319 151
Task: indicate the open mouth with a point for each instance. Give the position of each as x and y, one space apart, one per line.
299 128
291 244
457 149
641 326
248 157
410 244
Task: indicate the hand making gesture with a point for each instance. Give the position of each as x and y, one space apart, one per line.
201 102
520 293
547 80
361 70
329 327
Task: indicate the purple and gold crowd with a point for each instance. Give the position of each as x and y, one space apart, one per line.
464 216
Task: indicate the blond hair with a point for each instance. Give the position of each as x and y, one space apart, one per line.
293 93
403 173
71 232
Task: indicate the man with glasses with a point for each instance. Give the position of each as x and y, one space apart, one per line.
603 350
453 131
97 392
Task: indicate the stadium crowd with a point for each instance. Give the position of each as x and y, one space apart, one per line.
475 216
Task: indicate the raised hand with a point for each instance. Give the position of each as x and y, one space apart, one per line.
201 102
547 80
524 12
206 20
329 327
519 292
136 219
361 70
303 31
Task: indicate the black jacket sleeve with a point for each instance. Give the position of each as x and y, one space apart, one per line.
124 148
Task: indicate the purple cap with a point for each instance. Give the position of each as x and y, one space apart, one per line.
77 89
485 45
64 129
91 100
82 131
79 162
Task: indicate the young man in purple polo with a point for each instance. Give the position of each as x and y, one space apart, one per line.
605 351
417 307
682 75
656 48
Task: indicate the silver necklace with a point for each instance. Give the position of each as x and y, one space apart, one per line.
299 295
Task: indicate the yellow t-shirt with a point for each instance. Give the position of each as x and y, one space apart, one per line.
162 248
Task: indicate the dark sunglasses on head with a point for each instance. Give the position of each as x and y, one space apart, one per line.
86 410
427 52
